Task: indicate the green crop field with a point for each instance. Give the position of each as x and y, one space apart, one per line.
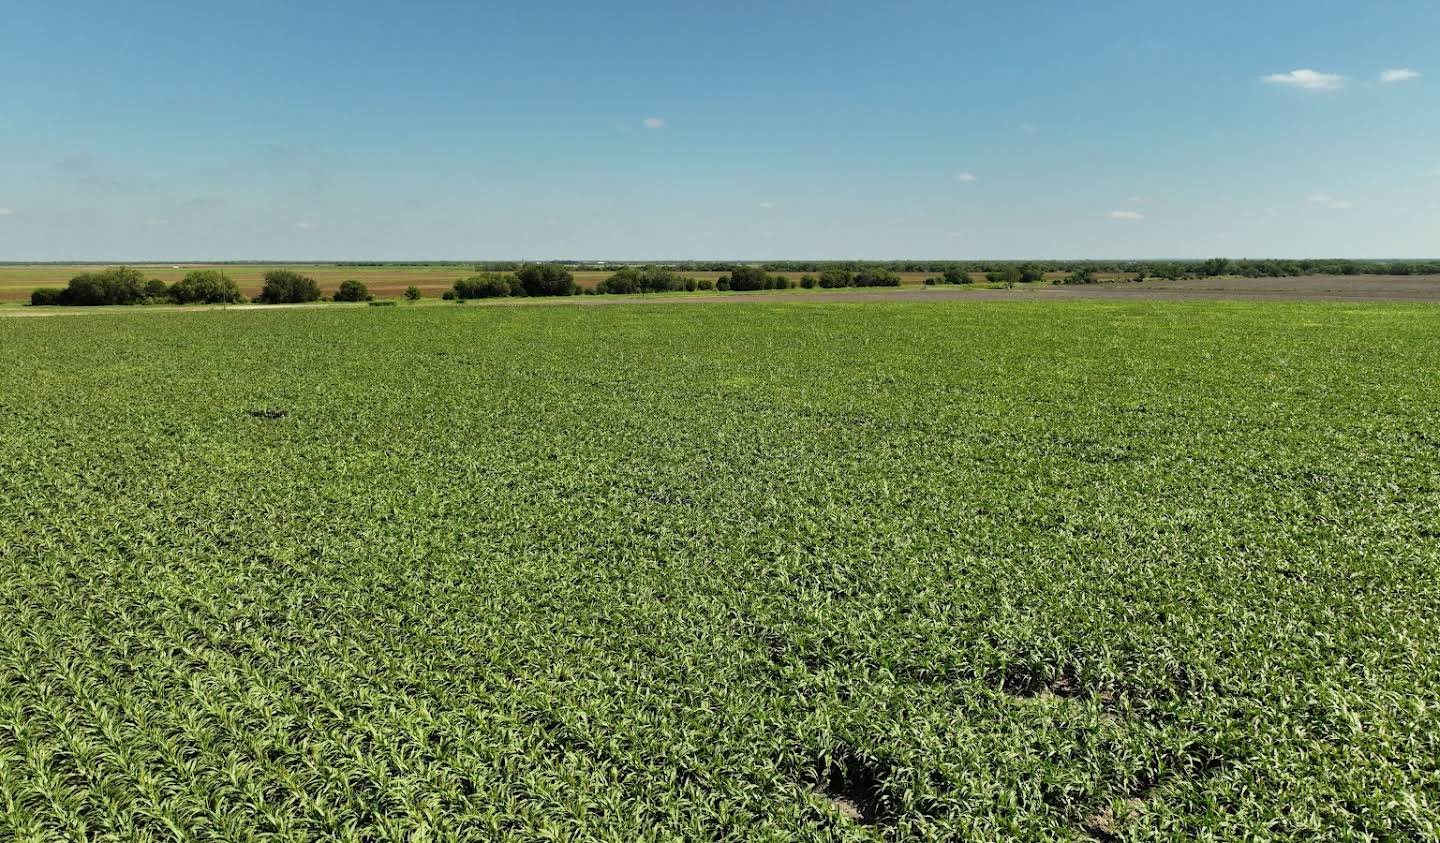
785 571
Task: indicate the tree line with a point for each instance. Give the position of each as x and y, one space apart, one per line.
125 285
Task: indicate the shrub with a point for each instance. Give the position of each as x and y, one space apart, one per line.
546 279
47 296
352 290
956 276
782 283
1007 275
705 284
832 278
876 276
1030 273
120 285
487 285
722 283
283 286
642 279
807 281
1082 275
448 295
929 282
205 286
155 289
690 285
747 278
412 293
385 303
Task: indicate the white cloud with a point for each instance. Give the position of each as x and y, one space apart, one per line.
965 176
303 226
1133 199
1329 201
1399 74
1126 215
1028 128
767 205
654 122
7 212
1306 79
156 222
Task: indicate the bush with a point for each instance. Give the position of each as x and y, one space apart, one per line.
782 283
546 279
47 297
283 286
155 289
807 281
690 285
705 284
412 293
205 286
487 285
385 303
352 290
876 276
722 283
448 295
1007 275
642 279
120 285
833 278
929 282
1082 275
747 278
956 276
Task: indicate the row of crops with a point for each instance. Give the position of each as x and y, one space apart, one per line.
879 571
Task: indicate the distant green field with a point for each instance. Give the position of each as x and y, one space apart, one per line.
804 571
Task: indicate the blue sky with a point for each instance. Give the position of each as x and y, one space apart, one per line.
327 130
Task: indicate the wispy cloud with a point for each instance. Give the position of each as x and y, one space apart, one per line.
767 205
965 176
75 163
1399 74
1028 128
654 122
7 212
304 226
1306 79
1126 215
1329 201
156 222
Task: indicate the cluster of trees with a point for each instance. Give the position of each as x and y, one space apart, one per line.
536 279
744 277
126 285
651 279
835 277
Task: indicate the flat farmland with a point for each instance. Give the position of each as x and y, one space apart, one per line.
831 571
388 281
